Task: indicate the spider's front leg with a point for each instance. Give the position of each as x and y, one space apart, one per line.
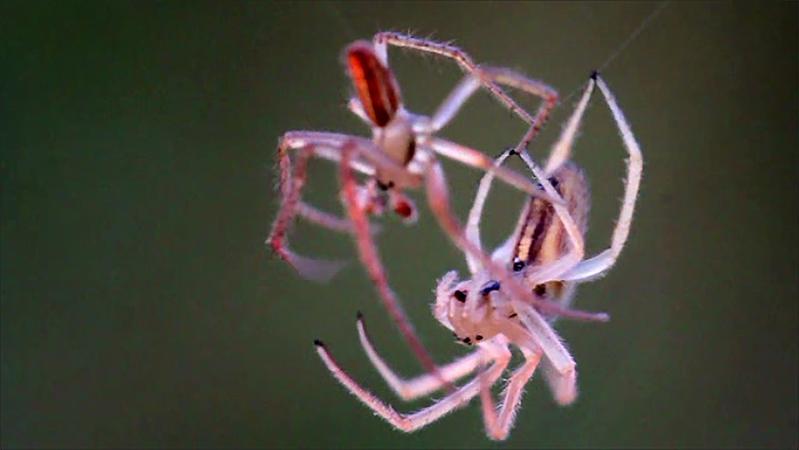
411 422
427 383
498 425
383 39
598 265
291 182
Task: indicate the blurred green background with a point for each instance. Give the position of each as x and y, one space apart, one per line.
140 306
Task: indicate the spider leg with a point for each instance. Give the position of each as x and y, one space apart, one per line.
438 199
554 270
561 151
327 146
502 76
497 428
563 386
513 79
414 421
473 158
327 220
472 230
371 261
315 269
383 39
596 266
410 389
452 104
545 338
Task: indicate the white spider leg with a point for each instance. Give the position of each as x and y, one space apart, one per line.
546 338
453 103
596 266
501 76
561 151
473 158
472 230
381 40
414 421
497 428
563 386
424 384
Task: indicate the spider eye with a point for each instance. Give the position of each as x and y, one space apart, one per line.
518 264
459 296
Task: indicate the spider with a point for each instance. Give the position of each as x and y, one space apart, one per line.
402 154
481 311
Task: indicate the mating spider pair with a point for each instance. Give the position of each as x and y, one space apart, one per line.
513 295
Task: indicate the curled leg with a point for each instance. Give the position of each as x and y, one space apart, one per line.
414 421
596 266
423 384
381 40
326 146
291 187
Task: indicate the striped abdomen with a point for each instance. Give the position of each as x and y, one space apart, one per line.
541 237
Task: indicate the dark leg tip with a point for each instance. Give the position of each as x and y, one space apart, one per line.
318 343
359 315
594 75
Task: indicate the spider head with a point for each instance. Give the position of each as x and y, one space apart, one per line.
470 308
